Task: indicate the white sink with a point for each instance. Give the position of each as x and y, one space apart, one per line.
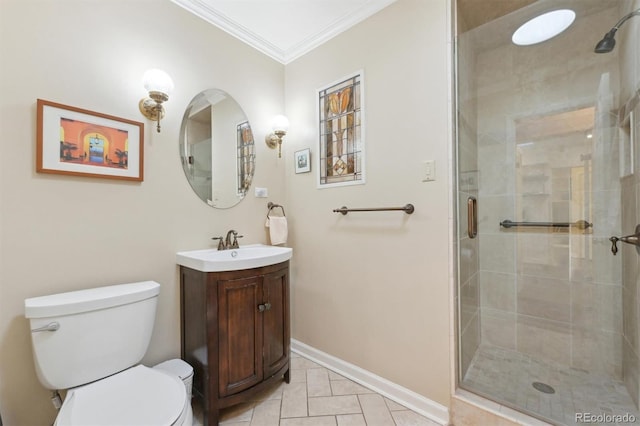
245 257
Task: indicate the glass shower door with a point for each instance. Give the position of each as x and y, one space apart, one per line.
544 147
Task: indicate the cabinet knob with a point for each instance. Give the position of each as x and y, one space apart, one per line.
264 307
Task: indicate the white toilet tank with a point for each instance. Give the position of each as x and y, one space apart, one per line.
90 334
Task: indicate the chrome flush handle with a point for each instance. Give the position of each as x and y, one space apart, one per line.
52 326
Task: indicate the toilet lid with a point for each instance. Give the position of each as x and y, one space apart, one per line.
137 396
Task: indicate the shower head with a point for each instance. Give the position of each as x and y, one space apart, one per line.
608 42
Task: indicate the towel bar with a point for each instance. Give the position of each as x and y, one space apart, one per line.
580 224
408 209
272 206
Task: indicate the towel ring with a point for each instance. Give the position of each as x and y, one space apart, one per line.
273 206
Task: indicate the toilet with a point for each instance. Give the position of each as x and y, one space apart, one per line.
90 342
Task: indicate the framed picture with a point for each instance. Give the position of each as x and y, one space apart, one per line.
74 141
341 132
303 161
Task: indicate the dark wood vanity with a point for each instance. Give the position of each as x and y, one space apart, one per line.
235 333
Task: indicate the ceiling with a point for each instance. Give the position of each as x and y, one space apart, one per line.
474 13
287 29
284 29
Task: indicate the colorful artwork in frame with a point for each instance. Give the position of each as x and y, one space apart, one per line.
341 132
74 141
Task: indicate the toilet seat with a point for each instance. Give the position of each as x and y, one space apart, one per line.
136 396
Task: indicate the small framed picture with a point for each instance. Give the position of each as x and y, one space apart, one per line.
303 161
74 141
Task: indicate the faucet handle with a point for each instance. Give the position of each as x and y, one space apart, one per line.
220 242
235 240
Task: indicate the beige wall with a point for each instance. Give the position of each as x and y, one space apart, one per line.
61 233
373 288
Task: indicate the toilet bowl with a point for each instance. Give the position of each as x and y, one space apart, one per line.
137 396
90 342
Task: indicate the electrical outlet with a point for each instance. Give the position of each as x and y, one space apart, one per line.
261 192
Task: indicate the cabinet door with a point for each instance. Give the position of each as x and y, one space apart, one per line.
240 334
276 321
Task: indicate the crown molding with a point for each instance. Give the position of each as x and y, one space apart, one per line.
333 29
230 26
284 56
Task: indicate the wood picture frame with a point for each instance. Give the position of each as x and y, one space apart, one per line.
75 141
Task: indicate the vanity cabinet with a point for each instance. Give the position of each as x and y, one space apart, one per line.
235 333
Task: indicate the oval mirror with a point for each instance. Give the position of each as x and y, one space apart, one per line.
217 149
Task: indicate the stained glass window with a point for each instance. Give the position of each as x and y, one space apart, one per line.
341 141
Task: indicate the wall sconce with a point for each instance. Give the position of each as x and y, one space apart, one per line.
280 125
159 85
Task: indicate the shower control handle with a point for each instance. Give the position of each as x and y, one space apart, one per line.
629 239
614 245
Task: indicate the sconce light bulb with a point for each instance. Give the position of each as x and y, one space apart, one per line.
280 124
158 81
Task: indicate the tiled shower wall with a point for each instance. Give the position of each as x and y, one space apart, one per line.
631 272
556 296
630 71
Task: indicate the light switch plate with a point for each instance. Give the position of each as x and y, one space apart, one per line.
261 192
428 171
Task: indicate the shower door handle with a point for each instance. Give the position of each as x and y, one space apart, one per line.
629 239
472 217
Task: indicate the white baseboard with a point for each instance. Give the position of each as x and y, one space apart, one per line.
403 396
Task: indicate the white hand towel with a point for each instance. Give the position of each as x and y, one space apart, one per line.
278 230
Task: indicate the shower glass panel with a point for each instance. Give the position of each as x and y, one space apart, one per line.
547 315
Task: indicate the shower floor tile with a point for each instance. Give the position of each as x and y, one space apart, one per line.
507 377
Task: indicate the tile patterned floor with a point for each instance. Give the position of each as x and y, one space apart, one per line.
508 376
317 396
